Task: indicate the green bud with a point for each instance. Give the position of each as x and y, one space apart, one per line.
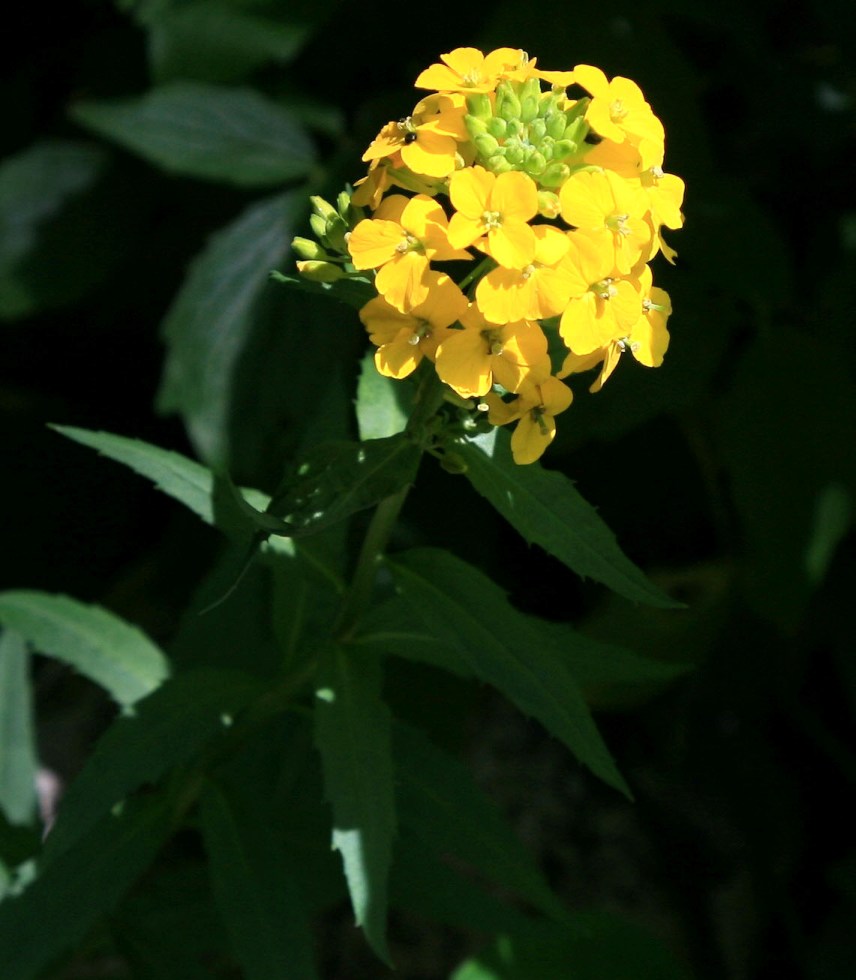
563 148
537 130
530 89
322 207
479 105
555 175
320 271
507 103
475 127
529 109
535 163
486 145
556 123
453 463
514 153
498 164
548 204
497 127
306 248
577 110
337 228
318 225
343 205
577 131
514 129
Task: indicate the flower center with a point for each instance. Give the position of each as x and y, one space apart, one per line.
617 111
472 77
617 223
491 220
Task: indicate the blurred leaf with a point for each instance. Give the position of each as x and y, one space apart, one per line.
259 901
50 250
441 804
69 896
103 647
190 711
833 517
217 42
17 747
464 609
595 946
337 479
379 410
229 135
209 324
352 733
545 508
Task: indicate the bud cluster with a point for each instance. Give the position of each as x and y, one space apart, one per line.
502 221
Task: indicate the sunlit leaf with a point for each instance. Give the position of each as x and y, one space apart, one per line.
17 745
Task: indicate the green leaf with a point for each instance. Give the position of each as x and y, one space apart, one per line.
353 291
259 900
103 647
337 479
379 409
229 135
464 609
352 733
211 320
217 42
189 712
546 509
17 747
833 516
49 247
72 893
440 803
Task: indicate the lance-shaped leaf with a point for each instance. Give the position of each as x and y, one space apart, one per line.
103 647
17 746
72 893
258 898
442 805
210 322
352 733
462 607
380 410
337 479
353 291
189 712
545 507
231 135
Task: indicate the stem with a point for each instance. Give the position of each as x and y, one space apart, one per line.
359 592
483 266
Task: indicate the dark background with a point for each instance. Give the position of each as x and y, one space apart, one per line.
722 473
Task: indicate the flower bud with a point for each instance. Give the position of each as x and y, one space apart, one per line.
322 207
320 271
306 248
453 463
548 204
529 109
318 225
556 123
479 105
497 127
486 145
475 126
555 175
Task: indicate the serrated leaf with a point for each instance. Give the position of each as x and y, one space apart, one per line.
352 734
379 408
337 479
546 509
103 647
17 747
42 215
259 901
211 320
464 609
189 712
72 893
230 135
440 803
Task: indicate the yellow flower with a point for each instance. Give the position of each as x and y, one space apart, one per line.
427 140
400 242
493 213
541 289
618 111
471 360
403 339
536 408
612 211
467 70
602 308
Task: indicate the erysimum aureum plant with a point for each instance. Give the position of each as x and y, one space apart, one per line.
507 224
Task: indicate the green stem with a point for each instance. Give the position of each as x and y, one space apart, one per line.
359 592
485 265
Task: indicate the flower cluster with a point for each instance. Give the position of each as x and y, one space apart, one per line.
508 226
